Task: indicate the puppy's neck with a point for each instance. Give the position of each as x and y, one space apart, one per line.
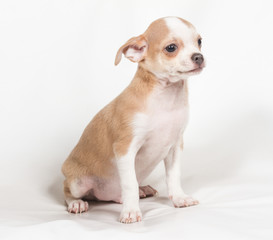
150 79
145 85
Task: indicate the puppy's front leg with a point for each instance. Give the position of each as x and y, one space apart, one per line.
172 166
129 187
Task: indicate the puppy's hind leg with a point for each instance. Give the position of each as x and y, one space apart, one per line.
74 191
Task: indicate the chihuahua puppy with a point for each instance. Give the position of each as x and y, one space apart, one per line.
141 127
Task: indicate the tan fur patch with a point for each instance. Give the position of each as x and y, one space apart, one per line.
109 131
155 34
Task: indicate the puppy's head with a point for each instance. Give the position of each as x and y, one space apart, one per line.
170 48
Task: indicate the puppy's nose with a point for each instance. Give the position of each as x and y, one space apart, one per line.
197 58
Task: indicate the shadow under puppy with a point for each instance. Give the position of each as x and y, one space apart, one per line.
141 127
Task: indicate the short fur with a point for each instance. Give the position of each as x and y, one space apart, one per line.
118 138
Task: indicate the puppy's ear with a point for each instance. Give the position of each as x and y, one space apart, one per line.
135 49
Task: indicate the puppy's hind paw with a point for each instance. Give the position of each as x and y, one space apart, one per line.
78 206
147 191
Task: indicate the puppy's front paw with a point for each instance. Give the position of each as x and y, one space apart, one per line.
183 201
77 206
130 216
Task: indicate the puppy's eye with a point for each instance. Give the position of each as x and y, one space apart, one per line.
171 48
199 42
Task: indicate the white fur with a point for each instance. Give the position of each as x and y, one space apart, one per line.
178 29
166 118
172 166
128 183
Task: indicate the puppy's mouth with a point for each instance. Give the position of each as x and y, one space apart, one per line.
195 70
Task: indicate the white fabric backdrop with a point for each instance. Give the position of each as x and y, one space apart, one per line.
57 71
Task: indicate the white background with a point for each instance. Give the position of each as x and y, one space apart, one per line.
57 71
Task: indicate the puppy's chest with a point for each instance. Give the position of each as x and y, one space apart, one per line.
164 127
164 120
